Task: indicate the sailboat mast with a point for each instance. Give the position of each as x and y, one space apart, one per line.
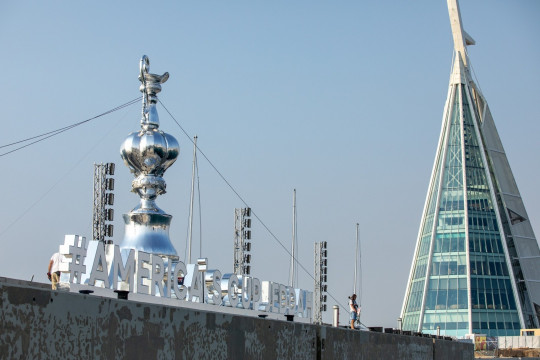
190 234
293 247
356 261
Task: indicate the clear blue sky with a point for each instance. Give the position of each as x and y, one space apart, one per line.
341 100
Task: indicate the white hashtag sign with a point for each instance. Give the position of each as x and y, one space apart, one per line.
74 249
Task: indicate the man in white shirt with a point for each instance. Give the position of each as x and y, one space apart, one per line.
54 269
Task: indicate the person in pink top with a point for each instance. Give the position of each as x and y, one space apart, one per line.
353 309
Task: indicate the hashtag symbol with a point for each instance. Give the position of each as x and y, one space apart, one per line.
76 246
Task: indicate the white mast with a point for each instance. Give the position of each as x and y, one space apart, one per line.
292 274
190 234
356 261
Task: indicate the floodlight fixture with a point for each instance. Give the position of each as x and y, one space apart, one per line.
110 169
109 214
109 230
109 184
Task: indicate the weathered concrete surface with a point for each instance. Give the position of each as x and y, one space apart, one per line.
37 323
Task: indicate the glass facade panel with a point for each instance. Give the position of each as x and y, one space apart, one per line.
461 241
446 298
489 271
414 300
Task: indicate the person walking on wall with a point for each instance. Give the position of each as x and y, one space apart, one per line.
353 309
54 269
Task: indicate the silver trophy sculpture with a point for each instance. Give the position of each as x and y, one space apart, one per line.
148 153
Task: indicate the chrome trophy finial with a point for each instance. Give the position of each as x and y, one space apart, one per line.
148 153
150 86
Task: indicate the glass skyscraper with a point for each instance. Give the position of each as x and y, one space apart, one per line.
476 267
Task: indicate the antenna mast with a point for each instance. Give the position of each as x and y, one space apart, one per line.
356 261
190 235
293 273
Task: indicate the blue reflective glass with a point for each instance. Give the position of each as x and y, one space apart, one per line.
459 211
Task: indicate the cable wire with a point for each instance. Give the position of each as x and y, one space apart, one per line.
52 133
60 179
246 205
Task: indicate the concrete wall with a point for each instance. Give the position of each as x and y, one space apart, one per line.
509 342
37 323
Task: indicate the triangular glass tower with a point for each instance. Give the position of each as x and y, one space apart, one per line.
476 267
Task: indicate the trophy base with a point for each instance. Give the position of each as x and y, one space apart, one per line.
148 232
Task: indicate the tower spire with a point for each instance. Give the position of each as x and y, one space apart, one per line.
476 259
461 38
